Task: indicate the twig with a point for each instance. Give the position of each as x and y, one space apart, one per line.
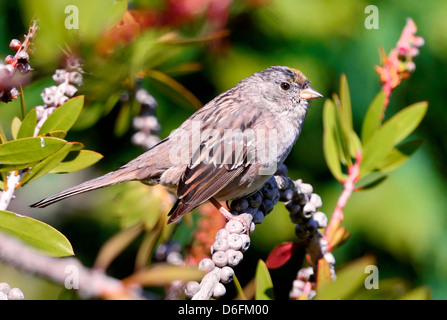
18 62
208 284
7 195
399 63
25 45
348 189
90 283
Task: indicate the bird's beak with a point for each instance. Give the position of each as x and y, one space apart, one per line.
309 94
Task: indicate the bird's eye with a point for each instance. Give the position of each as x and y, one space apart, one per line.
285 86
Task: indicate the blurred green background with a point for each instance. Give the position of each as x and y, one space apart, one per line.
401 222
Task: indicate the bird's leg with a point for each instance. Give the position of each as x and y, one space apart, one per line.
228 215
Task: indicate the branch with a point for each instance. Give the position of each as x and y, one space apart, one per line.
348 189
232 240
20 61
7 195
65 271
399 63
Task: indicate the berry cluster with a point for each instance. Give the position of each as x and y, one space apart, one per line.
303 206
19 61
146 124
233 240
227 252
6 293
55 96
260 203
170 253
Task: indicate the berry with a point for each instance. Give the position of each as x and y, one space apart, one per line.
226 275
9 59
220 245
219 290
16 294
191 288
206 265
15 44
23 56
220 259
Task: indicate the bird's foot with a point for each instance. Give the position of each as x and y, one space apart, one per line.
229 216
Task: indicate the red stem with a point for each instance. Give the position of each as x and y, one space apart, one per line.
25 44
348 189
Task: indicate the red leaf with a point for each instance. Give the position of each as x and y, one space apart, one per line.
281 254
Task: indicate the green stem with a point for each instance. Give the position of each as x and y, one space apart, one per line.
22 102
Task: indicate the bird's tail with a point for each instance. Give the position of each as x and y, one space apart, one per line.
109 179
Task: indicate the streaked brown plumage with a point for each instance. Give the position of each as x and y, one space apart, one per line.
202 160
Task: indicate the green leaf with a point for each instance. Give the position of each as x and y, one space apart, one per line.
77 160
77 146
95 110
376 150
124 119
2 135
53 14
28 150
240 292
28 125
349 279
56 134
94 19
64 117
46 165
3 177
15 125
349 140
331 151
345 103
373 118
264 285
407 120
147 246
36 233
116 244
371 180
399 155
147 205
419 293
176 39
173 89
22 102
389 289
355 145
349 143
89 116
16 167
341 133
391 133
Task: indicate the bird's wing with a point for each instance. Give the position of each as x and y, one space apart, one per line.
220 158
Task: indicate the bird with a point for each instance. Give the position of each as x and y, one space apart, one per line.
224 151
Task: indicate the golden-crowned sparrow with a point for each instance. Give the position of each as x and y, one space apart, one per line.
226 150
